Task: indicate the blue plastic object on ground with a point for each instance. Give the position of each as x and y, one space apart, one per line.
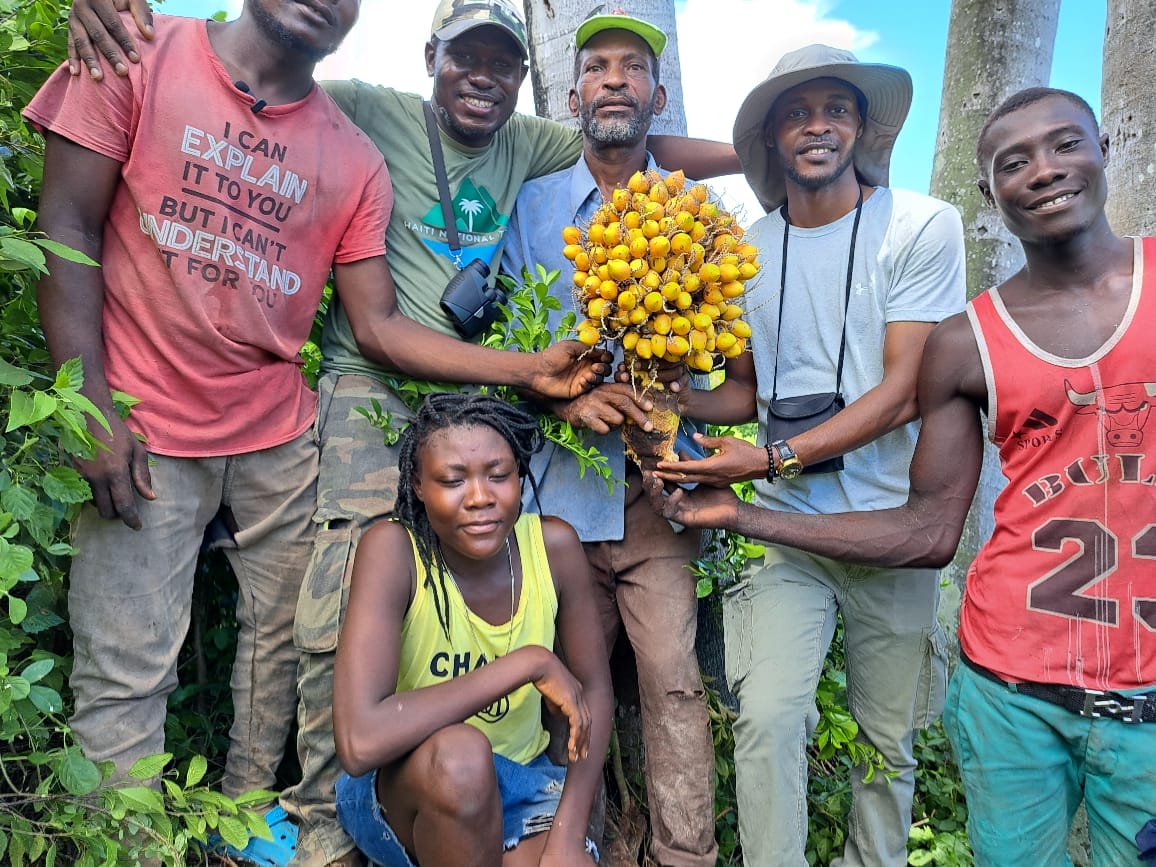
277 852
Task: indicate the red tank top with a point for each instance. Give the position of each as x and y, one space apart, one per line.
1065 590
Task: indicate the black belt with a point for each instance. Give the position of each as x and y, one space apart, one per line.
1091 703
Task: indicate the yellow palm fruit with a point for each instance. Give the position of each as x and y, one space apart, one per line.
638 183
639 201
737 231
700 192
582 262
710 343
652 279
728 272
671 291
598 254
747 270
643 349
677 347
659 193
731 312
618 270
658 345
572 235
639 247
675 181
739 328
710 310
708 212
680 243
697 340
597 308
697 254
724 242
691 282
627 299
608 289
651 210
732 289
661 323
659 245
580 278
697 231
658 263
620 199
632 219
736 350
589 335
688 203
680 325
571 251
702 321
629 339
619 251
649 228
652 302
612 234
713 295
727 259
590 285
746 252
594 233
620 320
684 220
701 360
671 207
709 272
684 301
666 226
639 268
678 263
638 315
725 341
603 272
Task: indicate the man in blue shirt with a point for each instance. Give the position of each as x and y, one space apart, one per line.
638 559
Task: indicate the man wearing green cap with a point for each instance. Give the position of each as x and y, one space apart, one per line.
862 273
639 560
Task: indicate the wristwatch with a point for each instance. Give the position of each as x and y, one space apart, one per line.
789 464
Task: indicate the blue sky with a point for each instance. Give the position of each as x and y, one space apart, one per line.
742 39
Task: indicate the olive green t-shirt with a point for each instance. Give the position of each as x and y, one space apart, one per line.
483 183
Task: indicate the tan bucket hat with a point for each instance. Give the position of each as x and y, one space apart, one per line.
888 92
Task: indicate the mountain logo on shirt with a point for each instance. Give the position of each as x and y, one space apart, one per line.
479 223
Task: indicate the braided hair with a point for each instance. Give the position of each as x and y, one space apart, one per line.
449 410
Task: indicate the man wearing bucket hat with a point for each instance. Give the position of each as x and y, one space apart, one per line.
639 560
863 274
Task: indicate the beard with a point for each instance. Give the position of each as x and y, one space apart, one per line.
627 130
277 32
818 180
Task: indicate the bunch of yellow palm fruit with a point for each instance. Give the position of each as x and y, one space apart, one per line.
661 269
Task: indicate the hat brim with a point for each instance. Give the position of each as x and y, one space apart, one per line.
888 91
453 31
646 31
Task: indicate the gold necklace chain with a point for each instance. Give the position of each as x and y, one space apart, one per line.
513 605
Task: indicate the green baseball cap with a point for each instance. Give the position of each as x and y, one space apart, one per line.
617 19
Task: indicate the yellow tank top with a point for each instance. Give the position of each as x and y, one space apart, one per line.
514 722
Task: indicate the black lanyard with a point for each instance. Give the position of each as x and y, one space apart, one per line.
846 299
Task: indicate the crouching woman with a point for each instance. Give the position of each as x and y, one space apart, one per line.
447 654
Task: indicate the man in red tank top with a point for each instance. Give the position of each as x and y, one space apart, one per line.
1056 701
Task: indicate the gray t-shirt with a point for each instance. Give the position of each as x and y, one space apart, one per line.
909 267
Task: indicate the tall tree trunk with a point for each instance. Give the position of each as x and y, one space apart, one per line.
994 48
1129 117
552 24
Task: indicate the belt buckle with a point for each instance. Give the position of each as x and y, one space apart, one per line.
1096 706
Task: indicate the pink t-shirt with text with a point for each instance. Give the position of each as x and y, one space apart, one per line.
219 240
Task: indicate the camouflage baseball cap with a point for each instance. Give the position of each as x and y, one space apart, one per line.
455 17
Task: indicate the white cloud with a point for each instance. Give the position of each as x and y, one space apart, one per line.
726 47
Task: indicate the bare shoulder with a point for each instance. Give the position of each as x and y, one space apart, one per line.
560 538
951 358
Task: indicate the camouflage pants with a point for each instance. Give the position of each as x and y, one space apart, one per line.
357 485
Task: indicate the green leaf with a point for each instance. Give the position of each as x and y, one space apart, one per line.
45 700
149 766
64 251
37 670
16 687
233 832
255 796
77 774
66 485
141 798
20 501
17 609
12 375
70 375
28 408
24 252
197 767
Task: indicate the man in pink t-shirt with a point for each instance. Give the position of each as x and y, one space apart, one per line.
218 186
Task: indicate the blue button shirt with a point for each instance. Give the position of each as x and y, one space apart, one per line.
545 206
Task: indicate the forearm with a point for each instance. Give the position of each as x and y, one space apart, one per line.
384 732
583 776
876 413
699 158
726 404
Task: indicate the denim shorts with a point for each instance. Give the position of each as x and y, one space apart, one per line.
530 795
